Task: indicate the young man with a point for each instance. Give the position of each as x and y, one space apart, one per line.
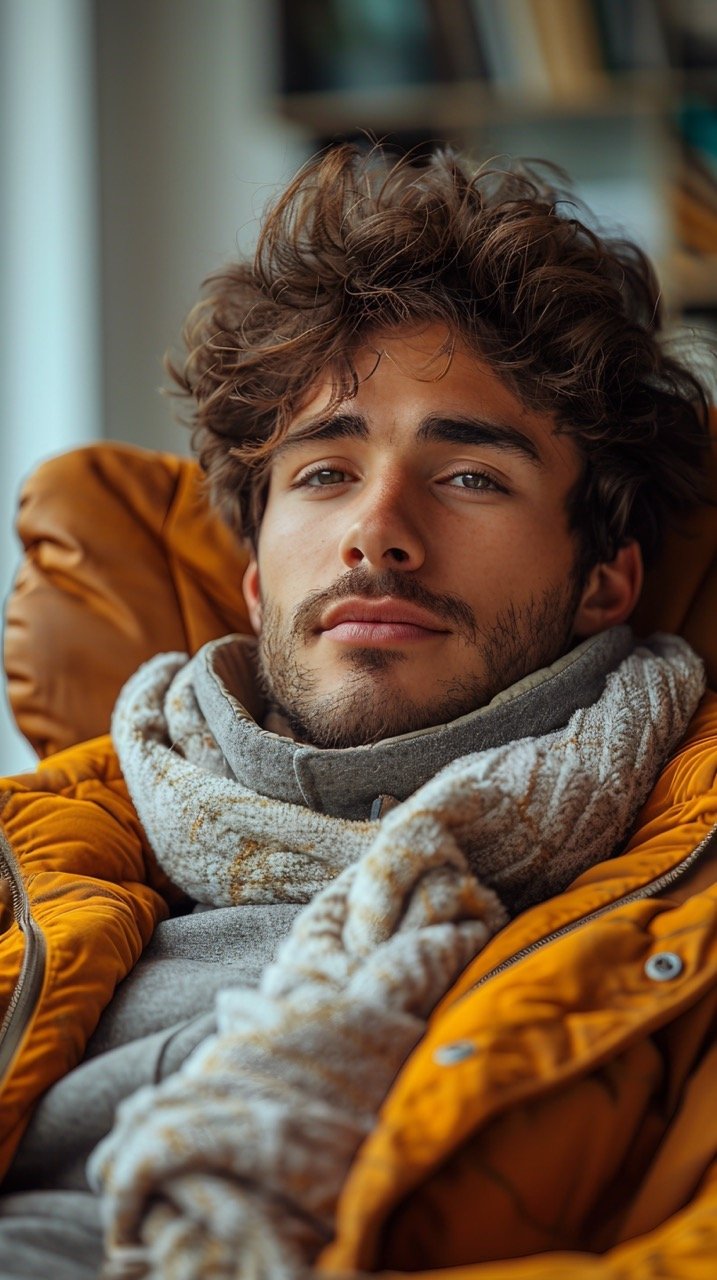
438 408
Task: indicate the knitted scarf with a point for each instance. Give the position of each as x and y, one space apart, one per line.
233 1166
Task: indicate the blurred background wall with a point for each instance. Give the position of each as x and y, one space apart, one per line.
136 151
140 140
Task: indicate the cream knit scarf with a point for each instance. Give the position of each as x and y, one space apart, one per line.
233 1166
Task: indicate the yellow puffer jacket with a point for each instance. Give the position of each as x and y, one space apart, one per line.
80 880
562 1110
563 1101
559 1117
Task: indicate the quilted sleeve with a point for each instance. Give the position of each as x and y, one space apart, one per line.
77 871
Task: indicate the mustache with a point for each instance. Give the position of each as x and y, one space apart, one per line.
369 584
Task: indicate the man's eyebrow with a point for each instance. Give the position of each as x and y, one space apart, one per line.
472 431
338 426
434 428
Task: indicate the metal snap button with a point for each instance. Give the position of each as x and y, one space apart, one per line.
448 1054
663 966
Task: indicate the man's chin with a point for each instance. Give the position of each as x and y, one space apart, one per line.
369 706
335 696
371 661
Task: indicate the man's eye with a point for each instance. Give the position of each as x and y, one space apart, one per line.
473 480
323 476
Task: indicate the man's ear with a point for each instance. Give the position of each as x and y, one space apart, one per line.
252 593
610 592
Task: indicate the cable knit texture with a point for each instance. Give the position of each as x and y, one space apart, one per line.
232 1167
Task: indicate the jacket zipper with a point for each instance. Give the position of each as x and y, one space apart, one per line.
649 890
32 973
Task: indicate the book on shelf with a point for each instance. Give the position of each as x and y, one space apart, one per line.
458 53
691 30
633 34
570 40
695 184
695 222
698 178
329 45
695 202
511 46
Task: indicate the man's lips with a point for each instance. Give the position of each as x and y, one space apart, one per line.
379 621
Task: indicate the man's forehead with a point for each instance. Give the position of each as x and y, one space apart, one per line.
421 352
427 376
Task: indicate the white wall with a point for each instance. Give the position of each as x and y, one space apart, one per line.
137 148
49 299
190 154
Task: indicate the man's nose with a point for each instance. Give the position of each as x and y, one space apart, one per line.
383 532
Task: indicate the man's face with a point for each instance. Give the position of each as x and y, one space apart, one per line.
414 557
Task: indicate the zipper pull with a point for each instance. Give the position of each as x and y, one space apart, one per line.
381 806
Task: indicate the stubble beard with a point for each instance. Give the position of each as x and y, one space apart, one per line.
369 706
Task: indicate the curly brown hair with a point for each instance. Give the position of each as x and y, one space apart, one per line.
569 319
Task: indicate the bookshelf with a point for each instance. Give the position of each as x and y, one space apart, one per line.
622 93
462 106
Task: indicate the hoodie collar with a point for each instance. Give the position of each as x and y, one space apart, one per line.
346 782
